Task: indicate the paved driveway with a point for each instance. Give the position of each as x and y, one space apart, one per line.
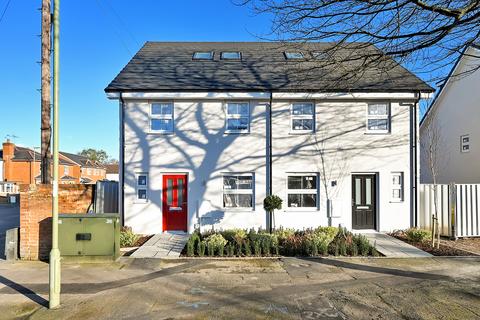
9 218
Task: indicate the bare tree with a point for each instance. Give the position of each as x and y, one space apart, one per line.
46 129
430 145
427 35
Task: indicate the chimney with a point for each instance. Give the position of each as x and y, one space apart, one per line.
8 150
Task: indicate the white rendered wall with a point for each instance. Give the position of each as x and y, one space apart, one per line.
456 112
200 148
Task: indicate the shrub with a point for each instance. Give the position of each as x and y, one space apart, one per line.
238 248
257 248
192 243
363 244
215 243
282 234
201 246
127 237
342 247
210 249
230 250
293 245
353 249
417 235
248 248
323 250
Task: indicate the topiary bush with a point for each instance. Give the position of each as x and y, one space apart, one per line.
272 203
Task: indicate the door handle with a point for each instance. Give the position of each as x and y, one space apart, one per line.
175 208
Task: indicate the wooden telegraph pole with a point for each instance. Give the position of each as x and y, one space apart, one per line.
46 129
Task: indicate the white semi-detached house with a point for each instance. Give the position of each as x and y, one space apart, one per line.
208 130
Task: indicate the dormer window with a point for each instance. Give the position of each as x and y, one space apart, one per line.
292 55
203 55
231 55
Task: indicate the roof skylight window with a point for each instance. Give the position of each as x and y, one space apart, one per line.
203 55
294 55
231 55
320 55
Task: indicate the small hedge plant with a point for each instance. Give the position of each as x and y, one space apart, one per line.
320 241
417 235
127 237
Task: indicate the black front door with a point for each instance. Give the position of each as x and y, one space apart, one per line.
363 201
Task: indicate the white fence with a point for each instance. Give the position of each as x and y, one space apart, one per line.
457 207
7 188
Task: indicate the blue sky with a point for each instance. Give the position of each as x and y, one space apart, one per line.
98 37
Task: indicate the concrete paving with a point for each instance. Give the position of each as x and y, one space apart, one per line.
9 218
162 245
285 288
392 247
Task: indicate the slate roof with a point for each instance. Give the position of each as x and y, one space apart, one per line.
168 66
27 154
81 160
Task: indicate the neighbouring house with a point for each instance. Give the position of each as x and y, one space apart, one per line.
450 130
208 130
21 165
112 171
90 171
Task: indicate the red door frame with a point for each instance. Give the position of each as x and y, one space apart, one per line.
175 220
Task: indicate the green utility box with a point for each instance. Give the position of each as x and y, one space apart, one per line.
89 236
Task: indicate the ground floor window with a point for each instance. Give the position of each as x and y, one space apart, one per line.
238 190
302 190
141 187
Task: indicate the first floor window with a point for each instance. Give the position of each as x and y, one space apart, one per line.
378 118
238 190
397 186
303 117
465 143
142 186
161 117
302 191
238 117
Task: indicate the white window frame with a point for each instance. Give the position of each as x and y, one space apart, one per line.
239 191
89 171
161 117
303 116
141 187
378 117
303 191
397 186
464 144
66 170
236 116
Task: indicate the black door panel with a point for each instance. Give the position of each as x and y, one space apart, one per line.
363 201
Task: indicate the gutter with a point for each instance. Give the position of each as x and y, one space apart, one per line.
415 150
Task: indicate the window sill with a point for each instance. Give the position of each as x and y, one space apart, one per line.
140 202
301 132
396 201
238 209
303 209
160 132
237 132
381 133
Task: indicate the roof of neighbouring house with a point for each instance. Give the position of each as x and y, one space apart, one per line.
67 178
82 160
169 66
112 168
27 154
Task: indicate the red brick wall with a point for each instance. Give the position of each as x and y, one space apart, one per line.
36 213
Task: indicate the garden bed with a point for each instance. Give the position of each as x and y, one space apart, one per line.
130 242
447 247
322 241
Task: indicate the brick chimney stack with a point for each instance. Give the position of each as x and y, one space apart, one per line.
8 150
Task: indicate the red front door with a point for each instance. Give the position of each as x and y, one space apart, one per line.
174 202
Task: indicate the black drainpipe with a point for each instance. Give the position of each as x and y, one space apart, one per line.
415 149
122 156
269 152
